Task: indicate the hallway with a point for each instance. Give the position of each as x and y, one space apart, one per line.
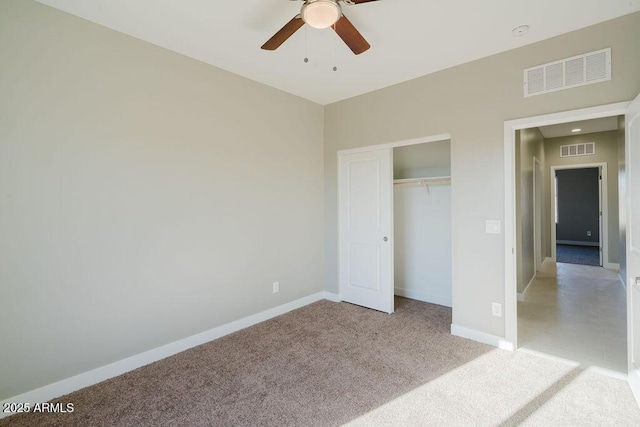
576 312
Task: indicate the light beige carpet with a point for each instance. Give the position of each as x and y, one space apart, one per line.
336 363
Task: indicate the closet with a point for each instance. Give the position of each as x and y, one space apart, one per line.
422 222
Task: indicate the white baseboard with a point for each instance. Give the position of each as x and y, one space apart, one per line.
423 296
547 259
612 266
634 383
482 337
86 379
332 297
576 243
522 296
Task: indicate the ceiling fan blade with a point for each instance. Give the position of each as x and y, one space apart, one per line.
361 1
285 32
348 33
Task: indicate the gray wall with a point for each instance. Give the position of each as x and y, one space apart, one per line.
529 145
578 205
471 102
606 152
144 196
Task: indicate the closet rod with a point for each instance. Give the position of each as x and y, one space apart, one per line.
431 180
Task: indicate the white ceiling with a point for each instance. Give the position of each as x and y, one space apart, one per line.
409 38
587 126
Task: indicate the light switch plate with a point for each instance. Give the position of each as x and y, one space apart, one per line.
496 309
493 226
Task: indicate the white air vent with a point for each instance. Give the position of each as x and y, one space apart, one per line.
576 71
584 149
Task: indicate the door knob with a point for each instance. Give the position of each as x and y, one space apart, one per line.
385 238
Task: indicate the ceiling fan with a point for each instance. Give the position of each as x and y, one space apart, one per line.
323 14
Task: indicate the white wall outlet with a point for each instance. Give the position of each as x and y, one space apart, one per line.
496 309
588 234
492 226
276 287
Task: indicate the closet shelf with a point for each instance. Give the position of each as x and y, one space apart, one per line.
429 180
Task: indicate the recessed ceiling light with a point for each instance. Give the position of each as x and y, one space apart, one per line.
520 31
576 130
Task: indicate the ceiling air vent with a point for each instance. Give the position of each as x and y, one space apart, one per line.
573 150
571 72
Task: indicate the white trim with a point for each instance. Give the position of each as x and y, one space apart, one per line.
632 251
634 383
523 296
547 259
589 113
94 376
510 128
330 296
424 296
537 212
612 266
404 143
510 259
604 206
577 243
482 337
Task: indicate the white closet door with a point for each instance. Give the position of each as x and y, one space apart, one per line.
422 238
365 241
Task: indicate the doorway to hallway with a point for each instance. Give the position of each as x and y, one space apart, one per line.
578 211
568 305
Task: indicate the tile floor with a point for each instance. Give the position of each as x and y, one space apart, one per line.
576 312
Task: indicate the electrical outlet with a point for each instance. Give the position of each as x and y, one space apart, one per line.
496 309
588 234
276 287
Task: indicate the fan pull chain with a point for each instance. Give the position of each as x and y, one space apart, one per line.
306 46
333 50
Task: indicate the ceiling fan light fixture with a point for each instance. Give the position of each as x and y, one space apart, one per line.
321 13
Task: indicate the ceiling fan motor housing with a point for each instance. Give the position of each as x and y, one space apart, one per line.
321 13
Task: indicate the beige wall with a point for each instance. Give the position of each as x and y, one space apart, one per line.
144 196
606 152
530 145
422 160
471 102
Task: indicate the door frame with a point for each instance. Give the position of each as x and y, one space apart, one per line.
510 128
391 146
538 218
603 200
632 250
